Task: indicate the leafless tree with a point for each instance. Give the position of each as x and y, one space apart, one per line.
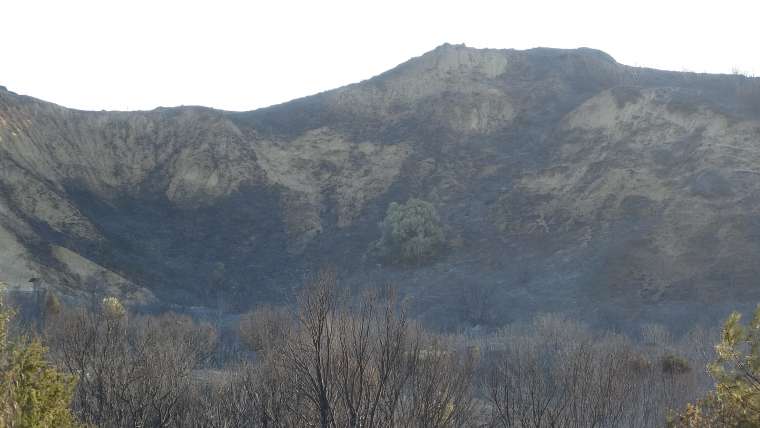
341 360
132 372
558 373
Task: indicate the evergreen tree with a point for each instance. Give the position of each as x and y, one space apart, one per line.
32 392
735 402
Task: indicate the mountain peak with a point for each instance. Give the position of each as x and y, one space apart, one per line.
451 46
598 54
448 59
453 49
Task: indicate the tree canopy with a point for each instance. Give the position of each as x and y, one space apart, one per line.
735 402
412 232
33 393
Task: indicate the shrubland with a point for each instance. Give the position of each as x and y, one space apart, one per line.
337 358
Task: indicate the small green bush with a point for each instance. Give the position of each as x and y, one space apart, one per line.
113 308
412 232
674 364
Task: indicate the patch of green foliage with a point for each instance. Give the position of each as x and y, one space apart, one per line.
33 393
412 232
735 402
674 364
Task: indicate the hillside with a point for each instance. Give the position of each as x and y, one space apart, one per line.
566 181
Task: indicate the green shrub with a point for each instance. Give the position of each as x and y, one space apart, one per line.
735 401
36 394
412 232
33 393
113 308
674 364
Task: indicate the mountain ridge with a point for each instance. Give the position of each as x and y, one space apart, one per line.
566 176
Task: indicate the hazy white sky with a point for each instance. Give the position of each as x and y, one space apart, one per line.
240 55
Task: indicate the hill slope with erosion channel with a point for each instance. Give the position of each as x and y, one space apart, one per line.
565 182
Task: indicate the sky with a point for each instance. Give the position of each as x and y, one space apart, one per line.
242 55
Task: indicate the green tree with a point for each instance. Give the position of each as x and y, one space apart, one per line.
735 402
37 395
412 232
32 392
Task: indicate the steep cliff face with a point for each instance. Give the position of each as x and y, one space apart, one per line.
567 182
